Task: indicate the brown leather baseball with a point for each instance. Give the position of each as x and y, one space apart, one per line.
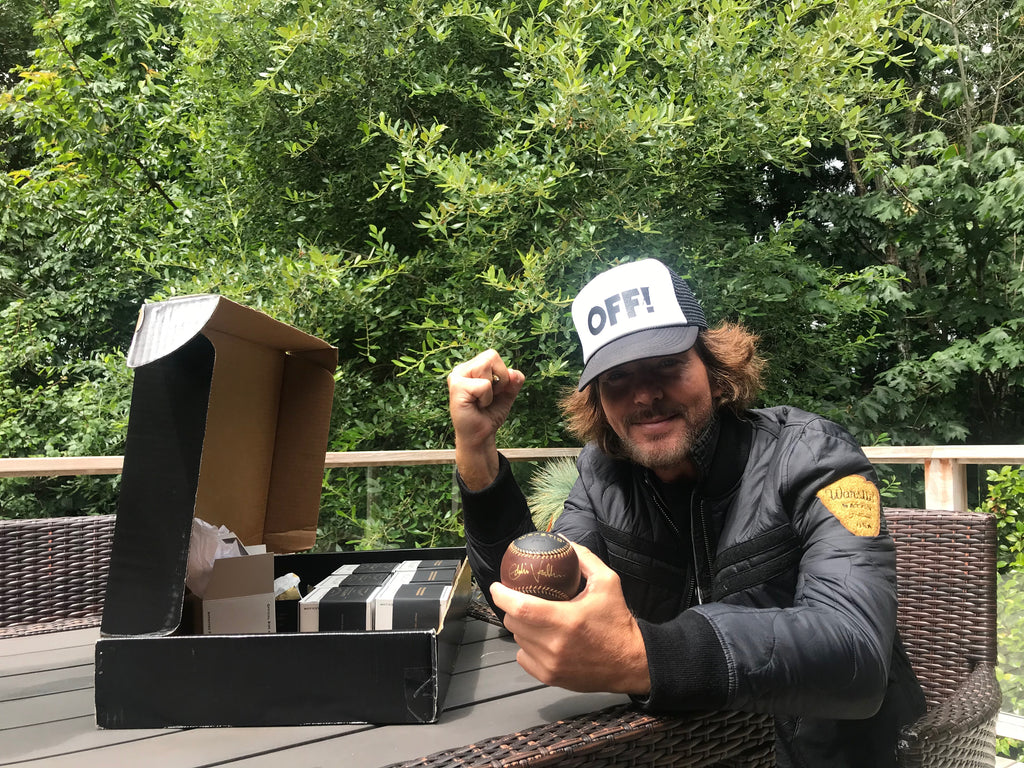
541 564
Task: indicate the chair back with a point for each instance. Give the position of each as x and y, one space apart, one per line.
53 572
946 585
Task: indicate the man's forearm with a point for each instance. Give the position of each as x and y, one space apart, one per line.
477 464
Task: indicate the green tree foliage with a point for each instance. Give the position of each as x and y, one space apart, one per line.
941 210
1005 500
418 180
16 42
76 225
628 129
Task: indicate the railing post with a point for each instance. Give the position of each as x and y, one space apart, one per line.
372 497
456 494
945 485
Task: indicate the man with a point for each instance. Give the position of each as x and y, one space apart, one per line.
733 558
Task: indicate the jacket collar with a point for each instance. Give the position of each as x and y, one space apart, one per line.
703 450
720 453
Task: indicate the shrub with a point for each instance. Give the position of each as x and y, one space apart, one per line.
549 487
1006 501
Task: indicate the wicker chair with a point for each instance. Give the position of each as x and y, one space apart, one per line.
947 617
54 573
946 580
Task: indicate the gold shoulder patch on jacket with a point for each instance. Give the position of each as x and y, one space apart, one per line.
856 504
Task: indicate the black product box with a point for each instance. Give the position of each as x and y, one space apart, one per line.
336 604
229 419
437 563
347 607
411 605
364 579
432 575
385 568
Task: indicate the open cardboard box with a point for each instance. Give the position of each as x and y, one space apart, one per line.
229 420
239 598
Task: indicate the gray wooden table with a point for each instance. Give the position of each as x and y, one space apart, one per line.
47 715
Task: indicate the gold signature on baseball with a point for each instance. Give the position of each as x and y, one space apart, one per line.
519 570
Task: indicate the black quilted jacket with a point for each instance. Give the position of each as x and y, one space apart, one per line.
749 592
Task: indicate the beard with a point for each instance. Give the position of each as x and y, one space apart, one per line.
671 450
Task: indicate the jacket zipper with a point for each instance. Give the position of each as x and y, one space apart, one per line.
660 504
699 509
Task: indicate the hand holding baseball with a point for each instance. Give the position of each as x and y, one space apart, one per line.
480 396
589 643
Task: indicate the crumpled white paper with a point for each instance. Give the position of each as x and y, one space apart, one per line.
208 544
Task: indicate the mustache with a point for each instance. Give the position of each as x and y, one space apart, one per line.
652 414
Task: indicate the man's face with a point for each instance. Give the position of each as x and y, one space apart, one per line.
658 406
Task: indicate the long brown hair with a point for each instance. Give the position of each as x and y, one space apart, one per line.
729 352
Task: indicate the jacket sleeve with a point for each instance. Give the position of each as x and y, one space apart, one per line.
827 654
493 517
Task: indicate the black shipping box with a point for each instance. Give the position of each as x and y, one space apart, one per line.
229 420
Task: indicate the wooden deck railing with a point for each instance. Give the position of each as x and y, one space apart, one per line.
945 466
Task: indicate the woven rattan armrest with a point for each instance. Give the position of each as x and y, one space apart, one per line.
959 730
623 736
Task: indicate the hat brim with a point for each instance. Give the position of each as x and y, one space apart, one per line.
651 342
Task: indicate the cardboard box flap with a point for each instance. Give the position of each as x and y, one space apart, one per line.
241 576
159 480
167 325
298 466
229 422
